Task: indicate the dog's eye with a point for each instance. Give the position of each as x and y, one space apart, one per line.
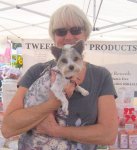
64 60
75 58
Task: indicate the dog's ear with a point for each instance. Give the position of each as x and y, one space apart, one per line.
56 51
79 46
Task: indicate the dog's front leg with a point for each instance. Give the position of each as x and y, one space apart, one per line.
58 88
65 104
82 90
61 96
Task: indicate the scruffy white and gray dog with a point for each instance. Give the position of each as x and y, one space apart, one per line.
69 63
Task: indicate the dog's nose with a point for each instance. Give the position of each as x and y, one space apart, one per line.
71 67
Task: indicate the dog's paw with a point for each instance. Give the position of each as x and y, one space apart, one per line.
84 92
65 108
66 112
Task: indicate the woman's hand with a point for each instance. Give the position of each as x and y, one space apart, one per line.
49 126
70 87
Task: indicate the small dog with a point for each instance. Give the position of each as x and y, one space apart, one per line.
69 63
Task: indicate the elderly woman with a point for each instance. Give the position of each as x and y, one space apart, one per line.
92 119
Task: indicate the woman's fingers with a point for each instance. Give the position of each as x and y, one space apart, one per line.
69 89
47 126
75 80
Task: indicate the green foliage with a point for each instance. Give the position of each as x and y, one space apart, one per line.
17 61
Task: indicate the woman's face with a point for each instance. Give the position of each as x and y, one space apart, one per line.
68 36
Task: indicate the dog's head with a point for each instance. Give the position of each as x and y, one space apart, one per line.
69 58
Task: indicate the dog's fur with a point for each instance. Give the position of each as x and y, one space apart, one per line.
69 63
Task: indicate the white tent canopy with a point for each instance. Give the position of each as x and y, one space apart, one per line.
111 19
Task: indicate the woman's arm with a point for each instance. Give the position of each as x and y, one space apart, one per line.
104 132
18 119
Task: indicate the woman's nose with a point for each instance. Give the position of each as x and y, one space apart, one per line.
68 35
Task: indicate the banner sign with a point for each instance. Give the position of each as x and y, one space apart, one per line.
96 52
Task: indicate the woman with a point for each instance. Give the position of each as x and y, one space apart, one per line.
92 119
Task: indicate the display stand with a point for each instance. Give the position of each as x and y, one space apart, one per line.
9 87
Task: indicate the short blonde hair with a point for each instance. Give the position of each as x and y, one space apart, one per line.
68 16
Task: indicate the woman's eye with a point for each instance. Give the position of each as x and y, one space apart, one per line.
64 60
75 58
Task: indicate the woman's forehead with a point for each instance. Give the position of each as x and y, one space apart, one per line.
67 24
